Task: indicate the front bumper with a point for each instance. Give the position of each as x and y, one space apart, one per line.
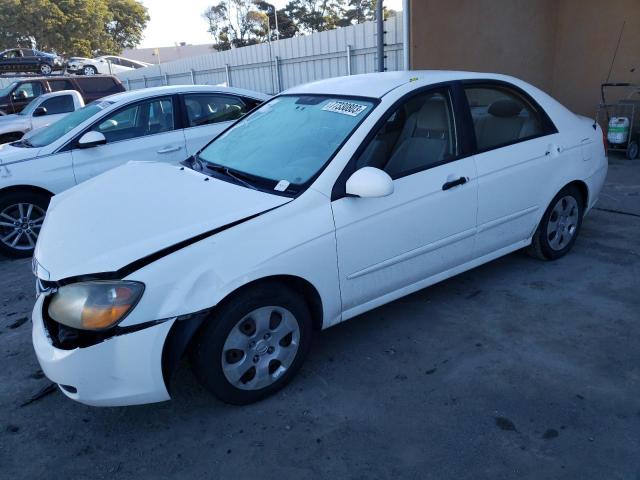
122 370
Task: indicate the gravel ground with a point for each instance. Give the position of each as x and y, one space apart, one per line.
517 369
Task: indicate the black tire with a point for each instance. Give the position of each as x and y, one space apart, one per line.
207 349
10 137
541 247
7 201
632 150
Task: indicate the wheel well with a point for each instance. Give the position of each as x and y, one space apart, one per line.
299 285
182 334
584 191
22 188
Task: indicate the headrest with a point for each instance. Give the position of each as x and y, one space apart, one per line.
433 116
505 108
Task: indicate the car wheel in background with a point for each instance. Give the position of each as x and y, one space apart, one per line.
21 217
10 137
254 344
89 70
45 69
632 151
560 225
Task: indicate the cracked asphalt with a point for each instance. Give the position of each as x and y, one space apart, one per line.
517 369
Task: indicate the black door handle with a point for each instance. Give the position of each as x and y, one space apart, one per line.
454 183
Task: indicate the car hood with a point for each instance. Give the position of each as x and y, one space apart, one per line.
10 154
8 123
136 210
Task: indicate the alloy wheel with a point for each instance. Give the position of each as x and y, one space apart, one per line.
563 222
45 69
20 225
260 348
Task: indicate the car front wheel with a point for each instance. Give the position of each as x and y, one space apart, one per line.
21 217
560 225
89 70
45 69
254 345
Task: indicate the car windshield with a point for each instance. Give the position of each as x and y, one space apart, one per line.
288 140
6 90
56 130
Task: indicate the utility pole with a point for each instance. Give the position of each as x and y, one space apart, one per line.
380 31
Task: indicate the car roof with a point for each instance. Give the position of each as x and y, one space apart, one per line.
376 85
132 95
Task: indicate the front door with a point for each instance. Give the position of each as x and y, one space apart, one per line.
141 131
389 245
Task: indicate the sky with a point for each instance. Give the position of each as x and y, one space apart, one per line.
174 22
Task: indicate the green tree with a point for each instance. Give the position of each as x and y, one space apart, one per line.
72 27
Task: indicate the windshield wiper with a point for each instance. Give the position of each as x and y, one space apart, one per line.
232 174
23 143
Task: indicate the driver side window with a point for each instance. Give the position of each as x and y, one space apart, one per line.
419 134
138 120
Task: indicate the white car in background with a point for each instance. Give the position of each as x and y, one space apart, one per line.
329 200
108 64
166 124
40 112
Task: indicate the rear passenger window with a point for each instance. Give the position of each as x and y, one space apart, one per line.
501 117
57 85
62 104
99 85
207 108
420 134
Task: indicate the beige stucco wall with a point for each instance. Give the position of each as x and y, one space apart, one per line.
563 46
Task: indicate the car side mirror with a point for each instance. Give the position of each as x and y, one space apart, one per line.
39 112
91 139
369 182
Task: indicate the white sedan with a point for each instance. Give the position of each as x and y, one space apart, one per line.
165 124
109 64
329 200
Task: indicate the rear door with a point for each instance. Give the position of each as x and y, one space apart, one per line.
208 114
516 150
145 130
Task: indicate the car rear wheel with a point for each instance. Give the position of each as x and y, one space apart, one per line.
21 218
254 345
560 225
632 150
45 69
89 70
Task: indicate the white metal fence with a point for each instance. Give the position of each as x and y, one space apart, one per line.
271 68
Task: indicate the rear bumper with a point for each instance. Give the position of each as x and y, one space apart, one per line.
123 370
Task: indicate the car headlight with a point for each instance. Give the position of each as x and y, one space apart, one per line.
95 305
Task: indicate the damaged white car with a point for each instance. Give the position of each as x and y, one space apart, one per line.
327 201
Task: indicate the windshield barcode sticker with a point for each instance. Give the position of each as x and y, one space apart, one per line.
346 108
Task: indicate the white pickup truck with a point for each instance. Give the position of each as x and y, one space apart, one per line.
42 111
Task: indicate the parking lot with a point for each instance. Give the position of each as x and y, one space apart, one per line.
517 369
